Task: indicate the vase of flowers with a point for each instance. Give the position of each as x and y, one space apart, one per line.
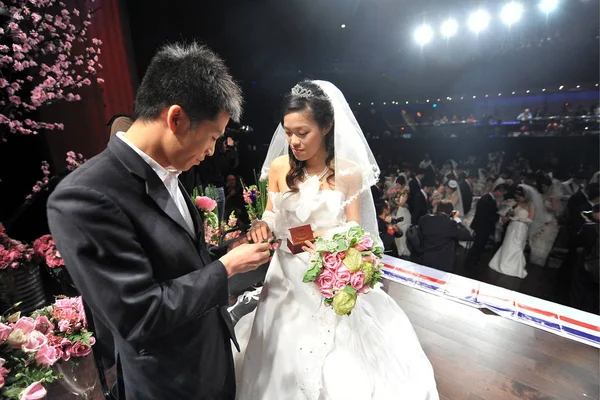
20 280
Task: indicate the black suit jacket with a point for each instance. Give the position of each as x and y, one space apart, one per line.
419 207
486 216
467 196
440 235
147 278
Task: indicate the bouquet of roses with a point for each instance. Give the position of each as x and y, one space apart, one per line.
255 197
30 346
345 266
45 249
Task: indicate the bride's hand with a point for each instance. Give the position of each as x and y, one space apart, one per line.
309 246
259 232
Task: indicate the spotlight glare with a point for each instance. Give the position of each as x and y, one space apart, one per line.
449 28
462 98
407 102
547 6
478 21
596 85
499 94
359 104
561 87
343 26
511 13
428 100
578 86
487 95
474 97
372 104
543 90
449 98
423 34
514 92
527 91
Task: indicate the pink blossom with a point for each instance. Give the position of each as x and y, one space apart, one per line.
331 262
46 356
205 203
64 325
4 332
365 244
43 324
34 342
3 372
343 274
357 280
81 350
35 391
325 282
25 324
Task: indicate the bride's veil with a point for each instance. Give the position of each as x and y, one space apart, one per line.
354 163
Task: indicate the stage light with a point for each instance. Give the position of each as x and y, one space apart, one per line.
359 104
561 87
407 102
547 6
384 103
462 98
449 98
499 94
596 85
543 90
487 95
449 28
578 86
372 104
434 105
423 34
439 99
511 13
343 26
478 21
514 92
428 100
474 97
527 91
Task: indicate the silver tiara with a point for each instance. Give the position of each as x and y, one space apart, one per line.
302 92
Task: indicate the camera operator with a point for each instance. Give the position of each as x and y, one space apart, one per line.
441 232
213 170
388 230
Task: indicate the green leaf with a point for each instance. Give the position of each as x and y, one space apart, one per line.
328 301
349 289
341 246
312 274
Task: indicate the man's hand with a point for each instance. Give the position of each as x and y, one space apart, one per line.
245 257
230 142
259 232
237 242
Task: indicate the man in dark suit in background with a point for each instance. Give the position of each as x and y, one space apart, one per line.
466 191
420 204
441 232
414 187
133 241
484 222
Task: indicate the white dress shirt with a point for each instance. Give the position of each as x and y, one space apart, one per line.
169 177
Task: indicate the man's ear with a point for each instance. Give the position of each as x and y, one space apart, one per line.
175 118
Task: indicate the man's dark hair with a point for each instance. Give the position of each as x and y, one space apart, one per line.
444 207
191 76
381 206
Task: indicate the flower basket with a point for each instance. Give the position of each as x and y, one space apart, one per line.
22 285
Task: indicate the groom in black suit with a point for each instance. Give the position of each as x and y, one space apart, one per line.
484 222
133 241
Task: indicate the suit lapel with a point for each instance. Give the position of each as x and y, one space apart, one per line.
155 188
198 223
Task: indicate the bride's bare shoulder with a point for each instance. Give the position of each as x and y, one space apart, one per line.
280 164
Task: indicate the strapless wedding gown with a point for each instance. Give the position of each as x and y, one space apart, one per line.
295 347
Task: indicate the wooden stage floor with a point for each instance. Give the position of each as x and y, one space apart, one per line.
478 356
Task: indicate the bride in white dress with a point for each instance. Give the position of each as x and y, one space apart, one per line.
510 257
294 346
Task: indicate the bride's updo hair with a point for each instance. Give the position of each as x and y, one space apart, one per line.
307 96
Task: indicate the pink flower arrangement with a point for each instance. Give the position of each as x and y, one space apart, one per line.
13 253
344 267
45 249
30 346
43 48
205 203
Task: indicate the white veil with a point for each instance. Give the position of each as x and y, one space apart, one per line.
542 217
354 162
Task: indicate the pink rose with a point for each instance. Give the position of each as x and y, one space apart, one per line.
325 282
25 324
3 372
205 203
46 356
64 325
343 274
35 391
365 244
43 324
4 332
357 280
34 342
331 262
369 258
80 350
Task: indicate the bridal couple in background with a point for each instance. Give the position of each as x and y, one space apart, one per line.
134 246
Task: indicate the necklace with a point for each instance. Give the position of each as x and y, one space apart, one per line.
319 177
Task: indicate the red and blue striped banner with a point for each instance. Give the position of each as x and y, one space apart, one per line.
561 320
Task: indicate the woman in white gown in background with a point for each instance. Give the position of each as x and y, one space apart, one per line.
293 346
510 257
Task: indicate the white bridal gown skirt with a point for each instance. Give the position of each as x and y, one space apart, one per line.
294 347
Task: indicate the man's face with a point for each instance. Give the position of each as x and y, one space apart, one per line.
187 146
